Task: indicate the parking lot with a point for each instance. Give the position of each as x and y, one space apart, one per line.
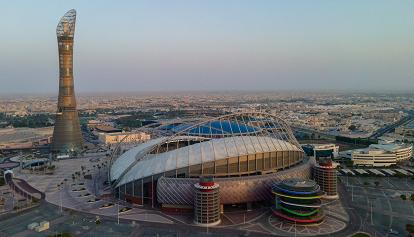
67 221
377 200
79 224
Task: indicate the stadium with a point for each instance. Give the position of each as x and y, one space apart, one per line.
245 153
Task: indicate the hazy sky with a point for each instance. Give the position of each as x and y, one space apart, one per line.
211 45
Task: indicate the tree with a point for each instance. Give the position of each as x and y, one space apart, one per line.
352 127
409 228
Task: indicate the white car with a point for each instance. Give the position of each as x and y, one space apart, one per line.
393 232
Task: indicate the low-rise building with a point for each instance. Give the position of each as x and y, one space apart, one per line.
321 150
126 137
381 154
107 129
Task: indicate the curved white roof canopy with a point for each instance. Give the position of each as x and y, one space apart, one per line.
211 150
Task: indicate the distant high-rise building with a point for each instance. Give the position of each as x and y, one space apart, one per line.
66 134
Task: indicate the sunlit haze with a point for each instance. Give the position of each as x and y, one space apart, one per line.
211 45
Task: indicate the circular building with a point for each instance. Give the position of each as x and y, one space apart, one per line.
244 152
325 174
206 202
298 201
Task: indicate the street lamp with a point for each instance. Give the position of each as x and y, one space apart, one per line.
119 197
352 193
60 197
371 207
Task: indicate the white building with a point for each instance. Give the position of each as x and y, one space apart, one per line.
126 137
380 154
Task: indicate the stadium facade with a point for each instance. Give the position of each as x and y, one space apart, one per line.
67 133
245 153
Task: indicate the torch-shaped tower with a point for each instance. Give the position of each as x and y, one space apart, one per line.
66 134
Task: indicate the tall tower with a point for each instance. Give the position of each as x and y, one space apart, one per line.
66 134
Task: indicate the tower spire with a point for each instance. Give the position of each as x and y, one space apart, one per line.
66 134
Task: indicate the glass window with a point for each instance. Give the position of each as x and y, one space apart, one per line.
266 161
233 165
148 186
259 161
170 174
195 170
252 162
221 166
182 173
273 160
296 155
208 168
128 188
279 159
137 188
285 159
243 163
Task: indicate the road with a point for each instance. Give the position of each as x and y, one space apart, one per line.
356 223
375 135
391 127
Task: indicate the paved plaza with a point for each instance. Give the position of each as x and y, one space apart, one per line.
336 220
374 202
84 197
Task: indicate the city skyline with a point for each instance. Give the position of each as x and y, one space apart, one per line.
184 46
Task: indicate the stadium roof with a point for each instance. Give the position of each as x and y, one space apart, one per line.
212 127
199 141
211 150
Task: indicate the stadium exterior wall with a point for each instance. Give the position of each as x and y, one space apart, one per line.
179 191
